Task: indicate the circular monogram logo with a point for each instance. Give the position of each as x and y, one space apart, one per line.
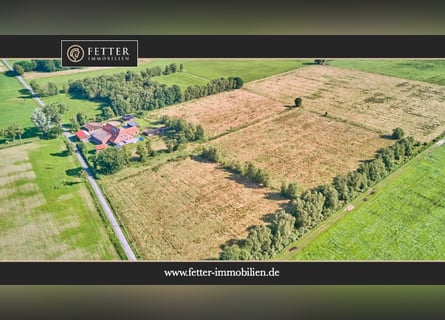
75 53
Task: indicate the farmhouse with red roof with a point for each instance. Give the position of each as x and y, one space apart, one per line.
82 135
115 135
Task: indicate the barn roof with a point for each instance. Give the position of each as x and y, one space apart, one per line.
81 135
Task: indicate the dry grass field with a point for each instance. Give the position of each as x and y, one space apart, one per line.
378 101
186 209
225 111
302 146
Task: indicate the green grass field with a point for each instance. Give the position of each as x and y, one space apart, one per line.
90 108
46 211
432 71
403 220
13 107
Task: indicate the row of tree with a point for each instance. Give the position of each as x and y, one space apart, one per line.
129 92
11 132
213 87
37 65
313 206
50 89
247 170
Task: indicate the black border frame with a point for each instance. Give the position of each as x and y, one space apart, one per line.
197 46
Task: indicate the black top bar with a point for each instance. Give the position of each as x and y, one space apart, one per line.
233 46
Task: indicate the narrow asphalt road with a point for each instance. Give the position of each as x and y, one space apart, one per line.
109 213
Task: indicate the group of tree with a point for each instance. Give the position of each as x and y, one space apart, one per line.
144 151
37 65
78 121
263 241
173 68
50 89
49 118
180 132
128 92
314 205
12 132
109 161
213 87
247 170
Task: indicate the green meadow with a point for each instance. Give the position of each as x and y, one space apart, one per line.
431 71
46 210
403 220
15 105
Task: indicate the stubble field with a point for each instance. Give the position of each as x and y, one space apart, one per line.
299 146
186 209
375 101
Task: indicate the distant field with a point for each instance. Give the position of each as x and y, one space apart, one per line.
196 71
370 100
302 146
14 108
403 220
186 209
432 71
44 212
225 111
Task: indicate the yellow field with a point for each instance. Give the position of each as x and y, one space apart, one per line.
302 146
380 102
226 111
186 209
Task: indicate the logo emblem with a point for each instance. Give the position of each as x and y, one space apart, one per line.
75 53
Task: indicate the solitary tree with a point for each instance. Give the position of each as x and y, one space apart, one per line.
19 69
141 151
42 121
69 147
398 133
81 118
298 102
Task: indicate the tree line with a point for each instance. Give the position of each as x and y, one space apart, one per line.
247 170
12 132
308 209
129 92
20 67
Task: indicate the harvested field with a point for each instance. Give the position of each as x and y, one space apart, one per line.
302 146
226 111
372 100
186 209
